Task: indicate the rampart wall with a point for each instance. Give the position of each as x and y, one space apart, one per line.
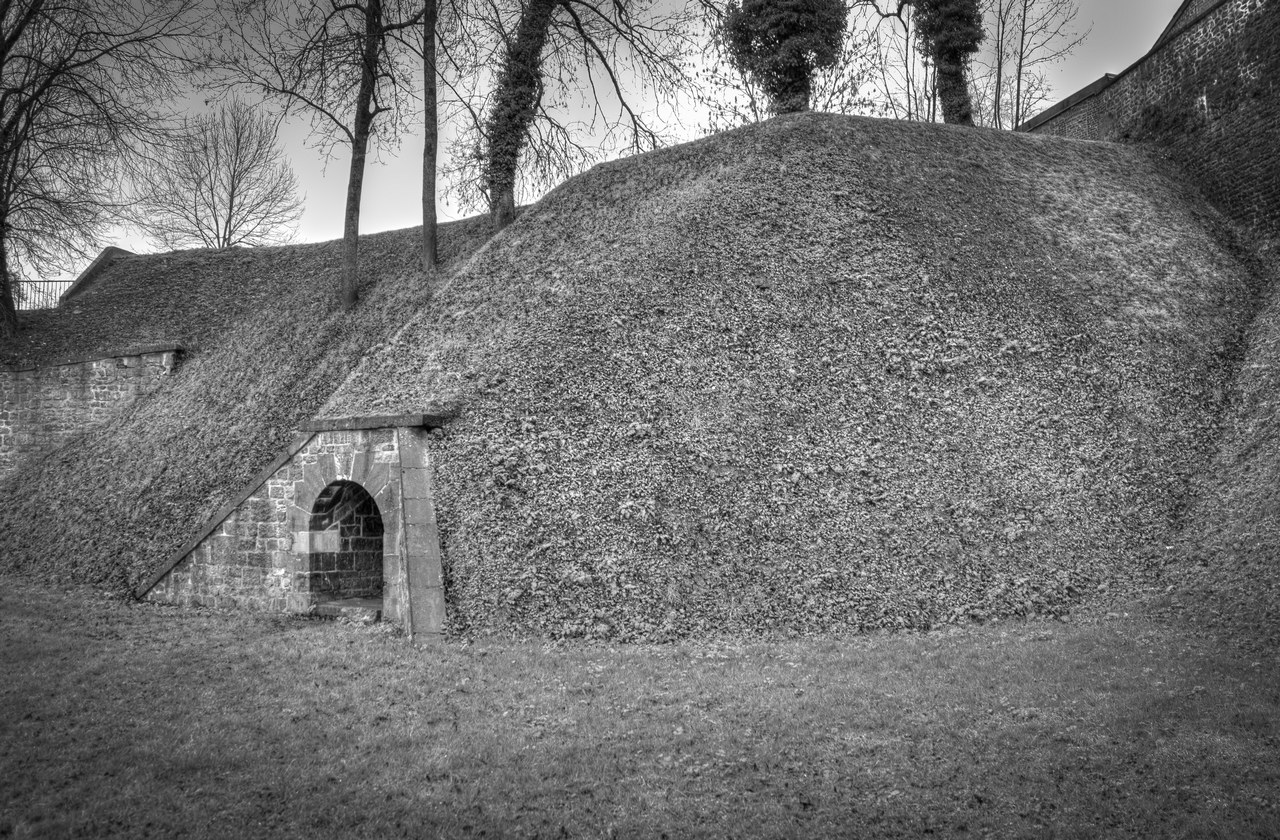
41 407
1210 95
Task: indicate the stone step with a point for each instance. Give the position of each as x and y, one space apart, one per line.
362 610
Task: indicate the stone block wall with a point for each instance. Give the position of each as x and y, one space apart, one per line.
290 541
1210 95
345 532
1189 14
41 407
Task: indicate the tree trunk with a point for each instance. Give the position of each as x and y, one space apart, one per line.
350 288
997 117
1022 58
516 102
8 298
430 139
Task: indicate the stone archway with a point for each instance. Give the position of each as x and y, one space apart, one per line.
345 560
346 512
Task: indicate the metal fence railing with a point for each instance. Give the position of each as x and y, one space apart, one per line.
40 294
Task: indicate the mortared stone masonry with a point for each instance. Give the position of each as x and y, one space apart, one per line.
43 407
346 512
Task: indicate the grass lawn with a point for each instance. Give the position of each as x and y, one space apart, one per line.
126 720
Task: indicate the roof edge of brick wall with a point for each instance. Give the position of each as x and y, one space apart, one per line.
1089 91
1166 38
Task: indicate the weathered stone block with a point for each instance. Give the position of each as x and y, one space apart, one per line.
428 611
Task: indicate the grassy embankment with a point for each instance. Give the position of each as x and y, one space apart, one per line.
824 374
145 721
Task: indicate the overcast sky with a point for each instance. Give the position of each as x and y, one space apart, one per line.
1122 32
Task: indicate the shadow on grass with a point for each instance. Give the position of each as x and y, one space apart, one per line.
143 721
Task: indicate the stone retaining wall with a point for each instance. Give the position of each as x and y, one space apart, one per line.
1210 95
274 549
41 407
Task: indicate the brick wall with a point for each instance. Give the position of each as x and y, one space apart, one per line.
1210 96
1188 15
42 407
344 513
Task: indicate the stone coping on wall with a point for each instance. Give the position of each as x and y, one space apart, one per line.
1070 102
309 430
141 350
380 421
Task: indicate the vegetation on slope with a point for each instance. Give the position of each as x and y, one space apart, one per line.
820 374
1225 565
266 348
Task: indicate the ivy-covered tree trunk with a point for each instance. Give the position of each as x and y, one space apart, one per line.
949 32
953 93
515 104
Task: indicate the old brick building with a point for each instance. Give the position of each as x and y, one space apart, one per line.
1207 93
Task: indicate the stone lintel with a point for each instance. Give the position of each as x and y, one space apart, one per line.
384 421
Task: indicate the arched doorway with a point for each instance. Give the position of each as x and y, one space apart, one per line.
345 560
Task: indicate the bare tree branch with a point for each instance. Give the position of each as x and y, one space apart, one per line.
81 88
343 65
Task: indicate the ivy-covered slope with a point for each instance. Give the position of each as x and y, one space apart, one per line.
265 348
821 373
1226 564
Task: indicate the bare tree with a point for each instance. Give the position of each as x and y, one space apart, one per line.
337 61
1044 37
844 88
905 80
728 96
221 181
1023 37
80 87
